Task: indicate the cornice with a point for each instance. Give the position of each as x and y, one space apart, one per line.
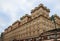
26 15
56 16
9 26
16 22
40 6
6 29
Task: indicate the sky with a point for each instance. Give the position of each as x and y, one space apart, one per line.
12 10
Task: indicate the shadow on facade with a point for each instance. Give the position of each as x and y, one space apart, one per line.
51 35
15 40
46 36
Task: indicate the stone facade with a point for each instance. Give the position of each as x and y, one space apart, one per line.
31 26
51 35
0 39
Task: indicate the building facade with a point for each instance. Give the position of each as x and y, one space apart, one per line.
0 38
51 35
31 26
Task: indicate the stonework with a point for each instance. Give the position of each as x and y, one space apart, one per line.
31 26
0 39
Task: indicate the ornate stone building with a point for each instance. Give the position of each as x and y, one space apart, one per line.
31 26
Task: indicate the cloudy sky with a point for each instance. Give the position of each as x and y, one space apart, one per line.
12 10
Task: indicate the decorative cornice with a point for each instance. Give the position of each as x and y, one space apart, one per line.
9 26
55 15
26 15
16 22
6 29
40 6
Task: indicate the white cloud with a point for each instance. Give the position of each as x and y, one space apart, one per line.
57 7
11 6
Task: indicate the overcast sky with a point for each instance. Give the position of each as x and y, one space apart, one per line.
12 10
